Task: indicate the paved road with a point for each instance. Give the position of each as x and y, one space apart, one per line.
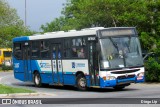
132 91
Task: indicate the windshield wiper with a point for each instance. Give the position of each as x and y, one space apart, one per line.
115 45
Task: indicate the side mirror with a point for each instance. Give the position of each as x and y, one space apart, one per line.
148 54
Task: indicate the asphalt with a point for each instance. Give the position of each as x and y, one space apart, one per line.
145 90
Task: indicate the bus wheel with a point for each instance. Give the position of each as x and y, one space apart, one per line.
119 87
81 82
37 80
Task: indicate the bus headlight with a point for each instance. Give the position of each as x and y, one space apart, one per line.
140 76
110 78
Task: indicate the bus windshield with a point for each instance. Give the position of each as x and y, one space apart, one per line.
7 53
120 52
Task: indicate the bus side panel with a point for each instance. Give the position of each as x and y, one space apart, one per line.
69 78
44 68
71 67
46 78
18 69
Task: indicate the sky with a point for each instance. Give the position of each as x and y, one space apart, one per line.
38 11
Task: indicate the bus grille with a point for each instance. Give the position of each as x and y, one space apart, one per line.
125 77
126 71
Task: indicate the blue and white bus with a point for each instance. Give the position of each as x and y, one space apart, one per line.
91 57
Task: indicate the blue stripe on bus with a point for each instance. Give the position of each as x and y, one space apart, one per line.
17 39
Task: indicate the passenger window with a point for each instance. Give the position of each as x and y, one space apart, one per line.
66 48
17 50
78 47
81 53
77 42
74 52
35 49
45 50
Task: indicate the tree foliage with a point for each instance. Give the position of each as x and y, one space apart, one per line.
142 14
10 25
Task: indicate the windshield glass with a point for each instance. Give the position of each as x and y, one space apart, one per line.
7 53
120 52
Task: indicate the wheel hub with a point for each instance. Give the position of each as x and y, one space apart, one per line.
37 80
82 82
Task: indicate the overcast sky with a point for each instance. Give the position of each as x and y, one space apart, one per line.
38 11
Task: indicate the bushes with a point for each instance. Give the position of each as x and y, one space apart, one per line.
152 66
6 68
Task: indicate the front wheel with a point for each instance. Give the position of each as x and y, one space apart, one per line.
81 82
37 80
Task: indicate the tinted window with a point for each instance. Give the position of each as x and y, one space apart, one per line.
7 53
17 50
35 49
45 50
66 48
78 48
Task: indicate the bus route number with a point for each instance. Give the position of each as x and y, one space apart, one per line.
91 38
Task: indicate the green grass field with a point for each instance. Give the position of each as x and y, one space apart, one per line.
9 90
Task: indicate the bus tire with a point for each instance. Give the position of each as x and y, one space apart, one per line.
37 80
81 82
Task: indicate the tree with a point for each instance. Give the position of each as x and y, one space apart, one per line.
10 25
55 25
59 24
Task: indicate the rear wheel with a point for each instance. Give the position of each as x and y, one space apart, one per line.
81 82
37 80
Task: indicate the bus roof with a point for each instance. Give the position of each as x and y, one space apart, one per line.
61 34
5 49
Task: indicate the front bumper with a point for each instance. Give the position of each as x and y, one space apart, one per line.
116 82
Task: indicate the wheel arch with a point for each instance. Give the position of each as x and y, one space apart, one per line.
35 71
79 72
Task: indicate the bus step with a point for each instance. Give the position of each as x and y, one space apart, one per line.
57 84
95 86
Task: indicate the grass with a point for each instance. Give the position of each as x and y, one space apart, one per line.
1 70
9 90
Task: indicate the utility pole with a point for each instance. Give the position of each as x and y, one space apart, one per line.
25 14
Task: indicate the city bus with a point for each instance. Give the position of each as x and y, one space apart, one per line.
92 57
5 56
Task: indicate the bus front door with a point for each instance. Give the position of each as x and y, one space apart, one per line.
93 64
26 62
57 69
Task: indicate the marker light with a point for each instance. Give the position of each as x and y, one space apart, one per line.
110 78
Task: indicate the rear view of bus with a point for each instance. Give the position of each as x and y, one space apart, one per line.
120 57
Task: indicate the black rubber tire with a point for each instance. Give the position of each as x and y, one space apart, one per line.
37 80
81 82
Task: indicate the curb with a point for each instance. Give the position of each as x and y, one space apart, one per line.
25 94
19 94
